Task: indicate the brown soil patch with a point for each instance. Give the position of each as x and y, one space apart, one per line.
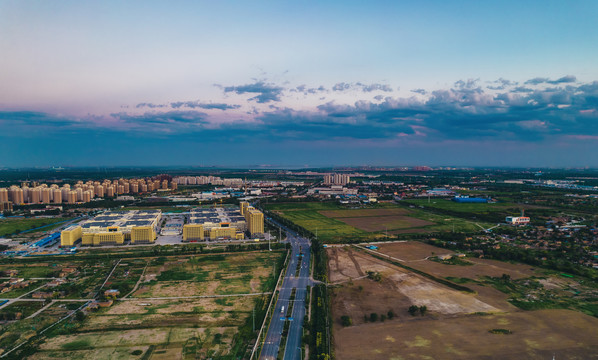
398 289
415 253
535 335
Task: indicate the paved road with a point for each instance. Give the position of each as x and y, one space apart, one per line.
274 334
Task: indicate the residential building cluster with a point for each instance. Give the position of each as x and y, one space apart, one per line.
80 192
207 180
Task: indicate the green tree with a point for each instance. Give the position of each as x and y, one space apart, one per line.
413 309
373 317
346 321
390 314
423 309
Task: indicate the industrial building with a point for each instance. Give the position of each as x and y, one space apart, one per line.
113 228
193 232
223 223
214 223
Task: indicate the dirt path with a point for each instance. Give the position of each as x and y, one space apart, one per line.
138 281
357 267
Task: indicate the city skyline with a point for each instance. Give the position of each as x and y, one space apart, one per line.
197 83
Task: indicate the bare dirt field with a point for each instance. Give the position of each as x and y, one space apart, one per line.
456 324
414 254
540 334
357 295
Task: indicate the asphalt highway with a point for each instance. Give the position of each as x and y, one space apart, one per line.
300 256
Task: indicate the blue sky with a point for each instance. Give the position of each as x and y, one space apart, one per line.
315 83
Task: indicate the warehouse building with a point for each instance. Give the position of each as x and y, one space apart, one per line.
214 223
114 228
223 223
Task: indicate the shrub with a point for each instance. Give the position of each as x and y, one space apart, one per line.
373 317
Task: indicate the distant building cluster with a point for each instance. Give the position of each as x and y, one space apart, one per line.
207 180
113 228
517 220
336 179
80 192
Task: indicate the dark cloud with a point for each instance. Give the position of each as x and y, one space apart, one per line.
522 89
537 80
266 92
343 86
219 106
307 91
501 84
419 91
200 105
541 80
564 79
464 112
18 120
375 87
150 105
170 121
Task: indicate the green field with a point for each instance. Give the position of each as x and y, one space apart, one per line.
15 226
307 215
463 207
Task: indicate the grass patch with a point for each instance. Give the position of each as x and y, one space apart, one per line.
77 345
15 226
451 261
175 275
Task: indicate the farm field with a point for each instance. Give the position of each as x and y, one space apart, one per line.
539 335
464 207
455 323
335 223
308 216
165 317
372 220
18 331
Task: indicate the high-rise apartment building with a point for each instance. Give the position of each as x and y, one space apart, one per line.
336 179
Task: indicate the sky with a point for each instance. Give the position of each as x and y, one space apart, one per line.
299 83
